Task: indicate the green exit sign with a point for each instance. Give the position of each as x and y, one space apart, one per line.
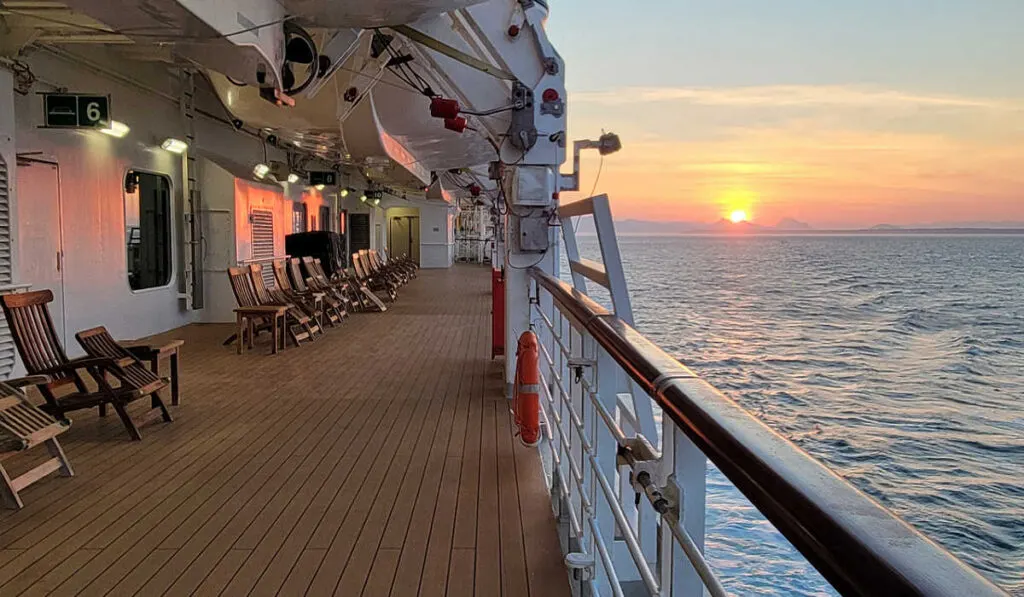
76 111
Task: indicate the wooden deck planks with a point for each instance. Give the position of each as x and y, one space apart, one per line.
376 461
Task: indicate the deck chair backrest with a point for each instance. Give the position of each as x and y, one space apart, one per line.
97 342
311 266
29 320
259 284
357 264
295 269
241 285
281 275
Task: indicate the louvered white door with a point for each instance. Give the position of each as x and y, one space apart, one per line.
39 240
263 241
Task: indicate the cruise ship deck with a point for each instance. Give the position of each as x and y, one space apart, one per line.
379 460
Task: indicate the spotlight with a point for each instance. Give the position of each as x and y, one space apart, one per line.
344 192
174 145
376 201
116 129
293 178
363 197
260 170
318 187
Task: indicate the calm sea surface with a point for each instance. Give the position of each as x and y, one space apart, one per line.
897 360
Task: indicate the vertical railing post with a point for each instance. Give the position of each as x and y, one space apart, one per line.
689 473
605 447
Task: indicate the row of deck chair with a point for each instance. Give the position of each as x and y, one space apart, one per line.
302 303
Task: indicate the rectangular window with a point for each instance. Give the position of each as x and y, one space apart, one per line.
147 215
325 217
299 217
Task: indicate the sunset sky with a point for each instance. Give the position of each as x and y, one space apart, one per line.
840 114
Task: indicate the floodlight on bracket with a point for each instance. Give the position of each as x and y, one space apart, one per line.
606 144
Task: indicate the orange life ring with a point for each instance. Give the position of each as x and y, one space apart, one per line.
526 405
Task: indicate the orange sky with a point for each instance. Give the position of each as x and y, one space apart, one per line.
833 156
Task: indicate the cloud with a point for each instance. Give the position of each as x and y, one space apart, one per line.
784 96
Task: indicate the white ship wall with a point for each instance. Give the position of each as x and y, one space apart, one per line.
92 167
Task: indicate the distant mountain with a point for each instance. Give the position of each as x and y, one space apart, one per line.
725 225
886 227
791 224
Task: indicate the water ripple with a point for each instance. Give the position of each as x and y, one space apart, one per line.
898 361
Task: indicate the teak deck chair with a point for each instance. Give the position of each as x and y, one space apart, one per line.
366 297
314 300
334 307
36 339
404 262
317 279
23 426
252 317
130 371
266 296
377 284
378 268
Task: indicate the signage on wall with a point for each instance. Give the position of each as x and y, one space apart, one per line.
326 178
76 111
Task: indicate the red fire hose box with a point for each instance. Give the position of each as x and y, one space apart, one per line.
497 312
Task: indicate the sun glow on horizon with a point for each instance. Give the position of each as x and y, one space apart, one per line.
737 216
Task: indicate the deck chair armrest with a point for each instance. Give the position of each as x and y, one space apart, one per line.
81 363
29 380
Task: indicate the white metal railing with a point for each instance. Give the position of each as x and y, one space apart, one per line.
634 504
600 467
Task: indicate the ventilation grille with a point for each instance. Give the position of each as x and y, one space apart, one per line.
6 341
263 242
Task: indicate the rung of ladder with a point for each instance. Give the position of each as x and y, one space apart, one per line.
591 270
583 207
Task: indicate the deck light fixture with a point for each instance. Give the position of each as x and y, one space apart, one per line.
293 178
116 129
260 170
318 187
363 197
344 192
376 201
174 145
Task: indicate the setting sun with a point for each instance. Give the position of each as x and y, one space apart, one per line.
738 216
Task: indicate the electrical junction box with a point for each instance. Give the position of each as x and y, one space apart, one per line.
531 231
535 186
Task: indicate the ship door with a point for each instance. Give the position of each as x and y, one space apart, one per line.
40 253
404 237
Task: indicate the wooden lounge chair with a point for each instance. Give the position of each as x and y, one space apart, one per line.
327 314
382 286
24 426
333 305
407 265
297 310
318 280
36 339
377 265
367 298
252 318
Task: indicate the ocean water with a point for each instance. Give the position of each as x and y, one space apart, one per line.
896 360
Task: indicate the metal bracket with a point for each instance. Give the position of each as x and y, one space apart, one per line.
581 564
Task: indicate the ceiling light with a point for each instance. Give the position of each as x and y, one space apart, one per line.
261 170
363 197
318 187
116 129
174 145
376 201
344 192
293 178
